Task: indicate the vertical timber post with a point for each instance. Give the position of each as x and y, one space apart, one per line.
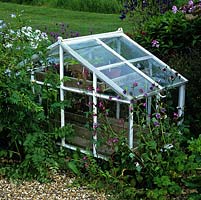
95 113
130 136
118 110
61 69
181 103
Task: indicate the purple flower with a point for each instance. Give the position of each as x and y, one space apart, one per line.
151 88
175 115
141 90
101 105
84 158
90 88
158 115
118 97
98 89
190 3
144 104
156 123
115 140
163 110
112 141
155 43
77 34
135 84
95 126
124 91
174 9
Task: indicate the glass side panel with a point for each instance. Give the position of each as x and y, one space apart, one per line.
95 53
158 72
124 47
129 80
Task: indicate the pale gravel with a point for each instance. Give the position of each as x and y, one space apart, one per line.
60 188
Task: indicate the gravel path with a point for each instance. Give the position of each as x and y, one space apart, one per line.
60 188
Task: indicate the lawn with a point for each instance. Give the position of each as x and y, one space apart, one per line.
82 22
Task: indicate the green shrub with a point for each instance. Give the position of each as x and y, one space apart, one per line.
27 134
174 32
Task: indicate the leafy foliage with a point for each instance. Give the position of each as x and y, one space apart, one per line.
27 134
160 167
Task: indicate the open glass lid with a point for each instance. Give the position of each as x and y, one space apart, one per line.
123 64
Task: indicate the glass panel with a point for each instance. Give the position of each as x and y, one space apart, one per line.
116 72
124 47
94 53
129 80
158 72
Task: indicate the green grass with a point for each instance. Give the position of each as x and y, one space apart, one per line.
82 22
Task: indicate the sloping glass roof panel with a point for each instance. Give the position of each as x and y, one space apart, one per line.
159 72
118 71
129 80
124 47
95 53
120 62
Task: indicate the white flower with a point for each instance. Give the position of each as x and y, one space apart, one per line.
7 72
38 32
29 28
12 31
13 15
168 146
44 36
8 45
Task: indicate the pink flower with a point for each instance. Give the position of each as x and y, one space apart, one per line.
98 89
155 43
174 9
175 116
144 104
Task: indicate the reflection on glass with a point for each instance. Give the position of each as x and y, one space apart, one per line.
124 47
94 53
158 72
116 72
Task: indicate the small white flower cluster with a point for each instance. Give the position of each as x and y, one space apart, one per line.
33 37
167 147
